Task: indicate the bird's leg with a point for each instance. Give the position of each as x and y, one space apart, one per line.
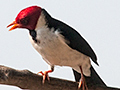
45 74
82 81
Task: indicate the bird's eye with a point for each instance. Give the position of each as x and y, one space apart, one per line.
24 21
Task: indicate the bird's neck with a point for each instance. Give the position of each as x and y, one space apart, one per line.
42 25
43 20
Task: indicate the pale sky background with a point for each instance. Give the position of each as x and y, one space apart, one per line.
98 21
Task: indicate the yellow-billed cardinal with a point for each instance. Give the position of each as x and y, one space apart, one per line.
57 42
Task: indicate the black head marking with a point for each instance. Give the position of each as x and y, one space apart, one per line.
33 35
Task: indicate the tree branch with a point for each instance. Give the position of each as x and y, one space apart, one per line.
25 79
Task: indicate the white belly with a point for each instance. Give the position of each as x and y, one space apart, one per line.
55 51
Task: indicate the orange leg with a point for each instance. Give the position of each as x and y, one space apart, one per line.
82 81
45 75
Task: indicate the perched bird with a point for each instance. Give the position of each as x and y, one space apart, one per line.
57 42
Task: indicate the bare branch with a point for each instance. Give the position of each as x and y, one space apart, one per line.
25 79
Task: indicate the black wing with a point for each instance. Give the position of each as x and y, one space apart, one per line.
77 42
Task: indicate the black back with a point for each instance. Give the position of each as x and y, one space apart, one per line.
77 42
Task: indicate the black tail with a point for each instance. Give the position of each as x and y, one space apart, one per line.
94 79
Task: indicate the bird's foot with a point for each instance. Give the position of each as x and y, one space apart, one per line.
82 81
82 84
45 75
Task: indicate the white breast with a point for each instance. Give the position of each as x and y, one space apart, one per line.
54 50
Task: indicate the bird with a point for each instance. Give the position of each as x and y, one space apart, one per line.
58 43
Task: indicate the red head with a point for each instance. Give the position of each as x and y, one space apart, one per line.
27 18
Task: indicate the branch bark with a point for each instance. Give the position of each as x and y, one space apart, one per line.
25 79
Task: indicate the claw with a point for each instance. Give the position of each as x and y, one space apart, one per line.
80 84
45 75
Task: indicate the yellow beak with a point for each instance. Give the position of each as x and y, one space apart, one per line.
15 25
